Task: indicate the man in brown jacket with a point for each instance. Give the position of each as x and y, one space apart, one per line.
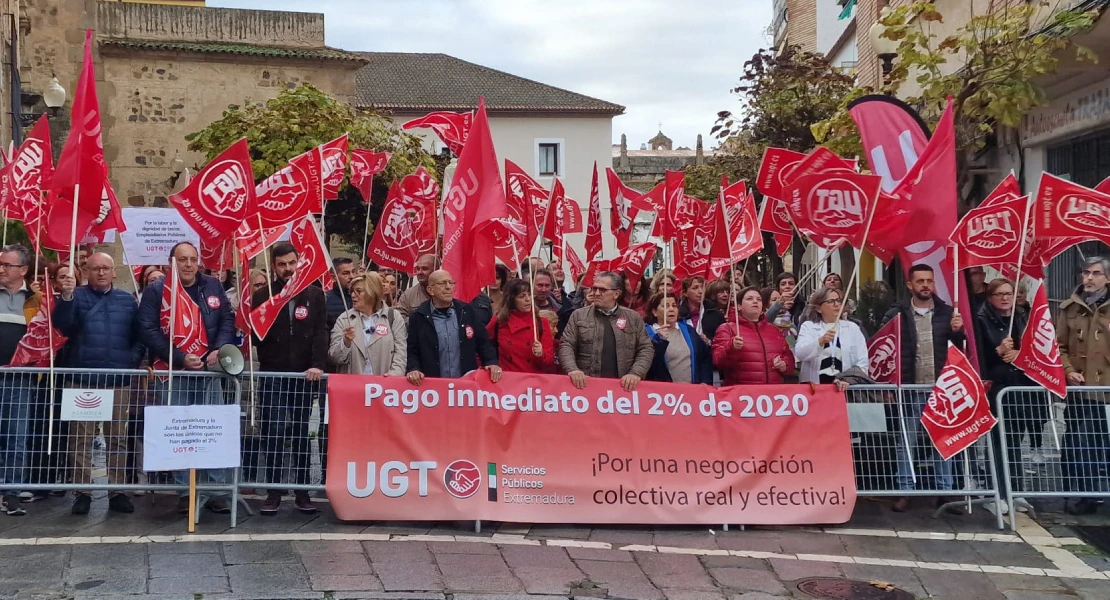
1083 330
606 340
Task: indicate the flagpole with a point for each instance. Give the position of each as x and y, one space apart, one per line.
855 271
366 234
1021 259
902 426
327 257
731 296
531 289
50 348
73 231
247 320
5 243
38 228
266 257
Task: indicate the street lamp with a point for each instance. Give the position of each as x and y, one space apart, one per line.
54 95
885 48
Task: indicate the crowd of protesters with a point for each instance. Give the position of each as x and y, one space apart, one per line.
615 327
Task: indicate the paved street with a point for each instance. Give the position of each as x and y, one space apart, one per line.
51 554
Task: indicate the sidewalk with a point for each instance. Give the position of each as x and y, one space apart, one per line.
52 554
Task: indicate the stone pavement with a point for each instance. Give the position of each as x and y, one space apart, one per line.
51 554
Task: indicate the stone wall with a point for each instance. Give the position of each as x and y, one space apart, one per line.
227 25
152 101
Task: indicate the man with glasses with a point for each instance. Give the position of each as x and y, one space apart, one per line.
208 294
1084 336
606 339
445 338
17 306
102 324
296 343
928 325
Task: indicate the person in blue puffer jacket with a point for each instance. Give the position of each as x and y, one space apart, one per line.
219 325
101 322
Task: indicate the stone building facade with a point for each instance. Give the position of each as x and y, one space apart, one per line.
642 169
164 71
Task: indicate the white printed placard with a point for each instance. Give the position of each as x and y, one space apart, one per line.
151 233
87 405
191 437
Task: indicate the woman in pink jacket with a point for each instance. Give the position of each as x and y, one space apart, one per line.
754 353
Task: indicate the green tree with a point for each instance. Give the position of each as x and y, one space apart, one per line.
989 66
299 119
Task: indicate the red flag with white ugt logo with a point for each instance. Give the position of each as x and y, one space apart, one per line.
186 331
836 204
885 353
365 164
957 413
1066 209
221 196
312 263
991 234
1039 354
35 348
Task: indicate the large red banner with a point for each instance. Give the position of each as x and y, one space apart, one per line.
466 449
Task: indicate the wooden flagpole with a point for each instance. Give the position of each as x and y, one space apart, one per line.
5 242
531 290
266 257
1021 259
175 282
50 348
366 236
73 232
855 272
38 229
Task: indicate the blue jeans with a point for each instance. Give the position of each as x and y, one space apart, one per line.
15 421
189 390
912 404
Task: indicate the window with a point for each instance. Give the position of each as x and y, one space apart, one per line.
548 159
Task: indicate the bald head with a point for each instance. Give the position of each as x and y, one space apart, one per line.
424 266
441 287
101 271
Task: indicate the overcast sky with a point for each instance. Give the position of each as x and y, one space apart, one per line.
667 61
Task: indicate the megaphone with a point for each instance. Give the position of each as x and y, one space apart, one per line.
229 360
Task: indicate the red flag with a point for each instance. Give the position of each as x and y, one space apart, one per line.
526 201
593 227
991 234
622 213
598 266
885 353
217 255
652 200
680 211
1066 209
957 413
835 204
28 174
420 192
365 164
1039 354
81 165
774 218
692 249
475 202
736 228
634 262
893 136
573 265
774 170
251 242
187 330
1103 186
451 127
395 243
556 219
1008 189
333 156
244 308
292 192
34 349
221 197
312 263
820 160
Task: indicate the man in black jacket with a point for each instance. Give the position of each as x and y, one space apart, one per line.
219 324
296 343
928 325
339 298
445 338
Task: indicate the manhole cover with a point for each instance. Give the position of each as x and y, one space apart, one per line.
847 589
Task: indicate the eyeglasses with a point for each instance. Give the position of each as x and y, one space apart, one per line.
101 269
11 266
833 301
1003 295
1094 274
442 283
598 290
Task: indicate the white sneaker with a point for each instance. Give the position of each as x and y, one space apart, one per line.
26 496
1001 504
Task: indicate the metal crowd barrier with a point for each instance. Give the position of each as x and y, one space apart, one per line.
1055 448
284 432
44 450
894 456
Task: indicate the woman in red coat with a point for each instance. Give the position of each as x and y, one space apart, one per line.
757 352
513 332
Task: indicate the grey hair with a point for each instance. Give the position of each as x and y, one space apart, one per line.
1100 261
617 279
22 251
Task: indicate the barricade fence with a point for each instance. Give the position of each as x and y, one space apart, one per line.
1055 448
284 435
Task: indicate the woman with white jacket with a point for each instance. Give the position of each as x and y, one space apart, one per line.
826 347
370 338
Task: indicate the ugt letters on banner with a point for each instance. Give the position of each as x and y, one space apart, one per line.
531 448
